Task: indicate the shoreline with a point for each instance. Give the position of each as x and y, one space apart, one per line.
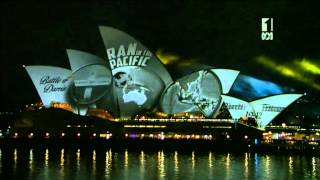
231 146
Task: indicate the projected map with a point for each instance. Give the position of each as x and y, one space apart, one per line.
137 96
131 92
197 92
194 95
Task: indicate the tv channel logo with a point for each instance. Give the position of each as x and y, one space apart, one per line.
267 28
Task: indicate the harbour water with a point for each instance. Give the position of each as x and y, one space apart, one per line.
107 163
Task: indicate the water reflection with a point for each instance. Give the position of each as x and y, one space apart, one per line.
176 164
112 164
267 166
62 163
290 166
246 165
78 160
46 162
314 166
108 164
210 165
126 164
161 166
31 160
15 157
94 162
46 158
142 163
227 165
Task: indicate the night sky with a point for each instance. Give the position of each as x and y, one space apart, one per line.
221 35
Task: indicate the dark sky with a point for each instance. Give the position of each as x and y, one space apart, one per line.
224 35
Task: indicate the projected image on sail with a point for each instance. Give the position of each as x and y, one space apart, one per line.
197 92
91 83
123 50
135 90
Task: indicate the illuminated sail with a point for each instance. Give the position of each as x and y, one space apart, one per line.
238 108
136 90
272 106
263 110
92 81
125 51
197 92
226 77
79 59
52 83
139 77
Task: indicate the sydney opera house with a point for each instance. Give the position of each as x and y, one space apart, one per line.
131 93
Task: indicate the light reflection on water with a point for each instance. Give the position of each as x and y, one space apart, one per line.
124 164
246 165
176 164
108 163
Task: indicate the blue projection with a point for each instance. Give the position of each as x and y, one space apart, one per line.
250 88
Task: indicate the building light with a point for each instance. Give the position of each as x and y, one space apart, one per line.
246 137
126 135
78 134
62 134
47 134
15 134
228 136
94 134
30 135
